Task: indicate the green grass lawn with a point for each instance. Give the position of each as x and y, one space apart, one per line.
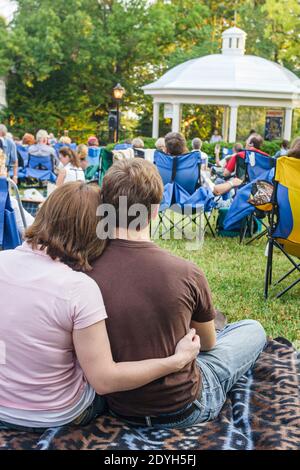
236 276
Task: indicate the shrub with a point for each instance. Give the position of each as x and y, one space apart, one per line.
269 147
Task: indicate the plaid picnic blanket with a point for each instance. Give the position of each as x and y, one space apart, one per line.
262 412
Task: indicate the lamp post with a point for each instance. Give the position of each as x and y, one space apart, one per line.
118 93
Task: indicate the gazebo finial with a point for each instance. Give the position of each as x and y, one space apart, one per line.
234 41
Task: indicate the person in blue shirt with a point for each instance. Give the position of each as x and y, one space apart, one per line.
9 148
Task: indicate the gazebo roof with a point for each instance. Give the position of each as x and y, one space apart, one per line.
231 71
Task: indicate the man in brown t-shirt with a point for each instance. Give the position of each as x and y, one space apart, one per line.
152 299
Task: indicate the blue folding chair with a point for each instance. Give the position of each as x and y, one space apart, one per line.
181 177
22 151
122 146
41 168
256 166
226 152
284 224
58 146
94 156
9 234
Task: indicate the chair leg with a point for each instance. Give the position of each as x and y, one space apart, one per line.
284 291
268 268
286 275
243 230
209 225
271 266
257 237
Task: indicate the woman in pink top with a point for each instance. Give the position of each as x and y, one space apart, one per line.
55 356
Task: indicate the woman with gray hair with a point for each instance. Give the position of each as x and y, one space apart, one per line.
160 145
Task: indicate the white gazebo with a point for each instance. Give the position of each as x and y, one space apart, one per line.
231 79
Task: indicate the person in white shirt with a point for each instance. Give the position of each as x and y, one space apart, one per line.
216 137
70 169
196 146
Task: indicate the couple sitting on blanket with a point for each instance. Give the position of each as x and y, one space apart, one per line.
83 317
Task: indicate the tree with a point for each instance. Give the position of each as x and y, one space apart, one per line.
62 58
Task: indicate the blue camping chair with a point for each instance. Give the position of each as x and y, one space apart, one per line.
94 156
40 168
181 176
226 152
256 166
59 146
241 216
284 226
122 146
9 234
22 151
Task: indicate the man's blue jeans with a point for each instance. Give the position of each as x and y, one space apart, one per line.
238 346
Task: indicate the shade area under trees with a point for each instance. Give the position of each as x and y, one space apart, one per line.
62 58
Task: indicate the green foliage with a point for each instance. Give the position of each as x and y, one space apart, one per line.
269 147
62 58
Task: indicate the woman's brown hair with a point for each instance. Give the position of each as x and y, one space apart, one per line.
175 144
65 225
74 158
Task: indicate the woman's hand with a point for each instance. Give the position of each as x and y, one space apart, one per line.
187 349
236 182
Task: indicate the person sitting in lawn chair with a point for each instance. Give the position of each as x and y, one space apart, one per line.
71 169
176 146
165 296
254 144
14 202
42 149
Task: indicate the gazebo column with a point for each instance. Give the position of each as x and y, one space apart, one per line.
225 123
155 122
233 123
176 117
288 119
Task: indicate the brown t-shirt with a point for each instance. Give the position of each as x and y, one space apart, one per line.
151 297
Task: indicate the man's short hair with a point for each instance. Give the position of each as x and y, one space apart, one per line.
138 180
196 143
238 147
175 143
256 141
41 135
138 143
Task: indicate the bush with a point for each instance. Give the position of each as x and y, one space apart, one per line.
269 147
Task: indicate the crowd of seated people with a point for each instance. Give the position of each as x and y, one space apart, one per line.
71 164
139 373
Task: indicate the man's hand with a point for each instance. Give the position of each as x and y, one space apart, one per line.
15 179
188 348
